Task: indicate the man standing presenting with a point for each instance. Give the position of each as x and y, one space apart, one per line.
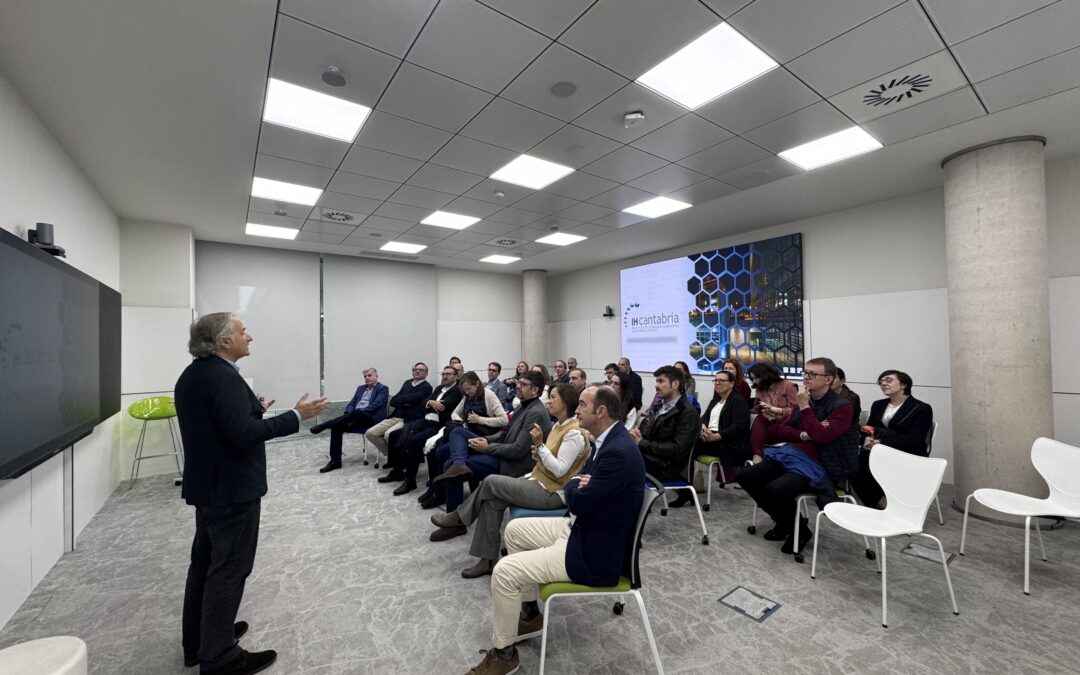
370 398
636 388
224 435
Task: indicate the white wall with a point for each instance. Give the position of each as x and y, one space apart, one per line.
480 319
40 183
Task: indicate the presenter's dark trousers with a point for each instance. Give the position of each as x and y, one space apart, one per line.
775 490
222 556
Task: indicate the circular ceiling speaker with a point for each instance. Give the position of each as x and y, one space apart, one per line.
333 77
563 89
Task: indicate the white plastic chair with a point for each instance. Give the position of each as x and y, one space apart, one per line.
1059 465
929 450
910 483
687 485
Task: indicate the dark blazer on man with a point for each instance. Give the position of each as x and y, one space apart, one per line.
668 439
605 511
408 403
733 448
450 401
513 445
637 390
224 434
376 406
909 427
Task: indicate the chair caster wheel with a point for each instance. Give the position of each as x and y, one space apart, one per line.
365 462
663 512
705 540
799 558
704 507
870 554
752 529
376 465
618 608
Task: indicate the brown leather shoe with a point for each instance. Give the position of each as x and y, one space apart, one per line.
532 628
493 664
449 519
444 533
480 569
455 472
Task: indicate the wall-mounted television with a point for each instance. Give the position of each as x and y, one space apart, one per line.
59 355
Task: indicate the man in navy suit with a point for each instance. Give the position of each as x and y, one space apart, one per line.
370 399
224 434
587 548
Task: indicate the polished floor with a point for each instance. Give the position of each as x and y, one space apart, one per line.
346 581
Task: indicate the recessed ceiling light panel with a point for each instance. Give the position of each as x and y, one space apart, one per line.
500 259
312 111
831 148
402 247
455 221
708 67
256 230
659 206
531 172
285 192
560 239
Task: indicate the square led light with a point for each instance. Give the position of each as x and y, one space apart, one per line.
531 172
455 221
402 247
560 239
708 68
659 206
831 148
285 192
312 111
500 259
256 230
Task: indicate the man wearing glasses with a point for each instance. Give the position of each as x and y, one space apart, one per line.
821 450
408 405
497 386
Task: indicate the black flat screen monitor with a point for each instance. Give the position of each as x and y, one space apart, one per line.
59 355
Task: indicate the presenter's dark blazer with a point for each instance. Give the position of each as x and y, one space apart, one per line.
909 427
733 448
224 434
605 510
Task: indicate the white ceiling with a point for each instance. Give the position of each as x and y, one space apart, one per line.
160 103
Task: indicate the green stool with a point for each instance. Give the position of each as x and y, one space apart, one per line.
148 409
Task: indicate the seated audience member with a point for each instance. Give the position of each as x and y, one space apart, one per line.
543 371
666 436
690 390
899 421
735 367
610 370
839 385
412 436
636 389
821 450
579 379
571 363
408 405
620 383
725 427
774 403
561 375
471 456
495 385
454 362
370 399
511 382
588 548
557 460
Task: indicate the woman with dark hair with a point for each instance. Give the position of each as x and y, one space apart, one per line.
689 386
620 382
511 382
725 427
899 421
775 399
734 366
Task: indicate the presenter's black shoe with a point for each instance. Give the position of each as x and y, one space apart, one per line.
394 476
405 488
246 664
192 658
331 466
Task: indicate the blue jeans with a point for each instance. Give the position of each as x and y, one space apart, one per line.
459 444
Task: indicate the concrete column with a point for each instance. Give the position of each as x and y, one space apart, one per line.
999 318
534 329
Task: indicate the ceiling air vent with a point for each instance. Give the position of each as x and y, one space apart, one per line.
897 90
505 242
337 216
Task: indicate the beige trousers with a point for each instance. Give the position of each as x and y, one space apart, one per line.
377 434
537 555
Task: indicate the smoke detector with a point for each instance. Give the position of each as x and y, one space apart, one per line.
333 77
633 118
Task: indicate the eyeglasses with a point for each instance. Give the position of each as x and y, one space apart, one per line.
807 375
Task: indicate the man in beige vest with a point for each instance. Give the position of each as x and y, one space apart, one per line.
558 459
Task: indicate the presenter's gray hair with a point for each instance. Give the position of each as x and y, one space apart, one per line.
205 332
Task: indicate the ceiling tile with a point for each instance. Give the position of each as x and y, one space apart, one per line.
466 237
580 186
667 179
544 202
759 101
449 244
276 221
1042 78
323 227
334 218
319 237
622 197
369 238
444 179
276 168
475 157
302 52
420 231
759 173
959 21
585 212
786 29
1057 28
606 118
910 86
486 190
705 191
379 164
723 157
900 36
350 203
260 205
492 228
388 224
438 251
472 207
682 138
301 146
514 216
410 214
589 230
558 64
943 111
619 219
389 25
801 126
475 44
623 165
510 125
410 195
632 36
573 146
550 17
362 186
726 8
423 96
478 252
401 136
553 223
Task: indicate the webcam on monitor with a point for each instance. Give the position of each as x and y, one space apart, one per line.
42 237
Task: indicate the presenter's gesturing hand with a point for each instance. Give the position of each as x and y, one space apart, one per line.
309 409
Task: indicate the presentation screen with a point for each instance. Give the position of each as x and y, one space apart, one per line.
744 301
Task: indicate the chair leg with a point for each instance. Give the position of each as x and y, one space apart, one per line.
648 631
1038 532
817 538
176 454
701 517
138 455
663 499
884 588
709 478
945 566
963 530
940 518
753 521
1027 553
543 635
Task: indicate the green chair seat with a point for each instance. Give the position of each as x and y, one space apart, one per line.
707 459
153 408
550 589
